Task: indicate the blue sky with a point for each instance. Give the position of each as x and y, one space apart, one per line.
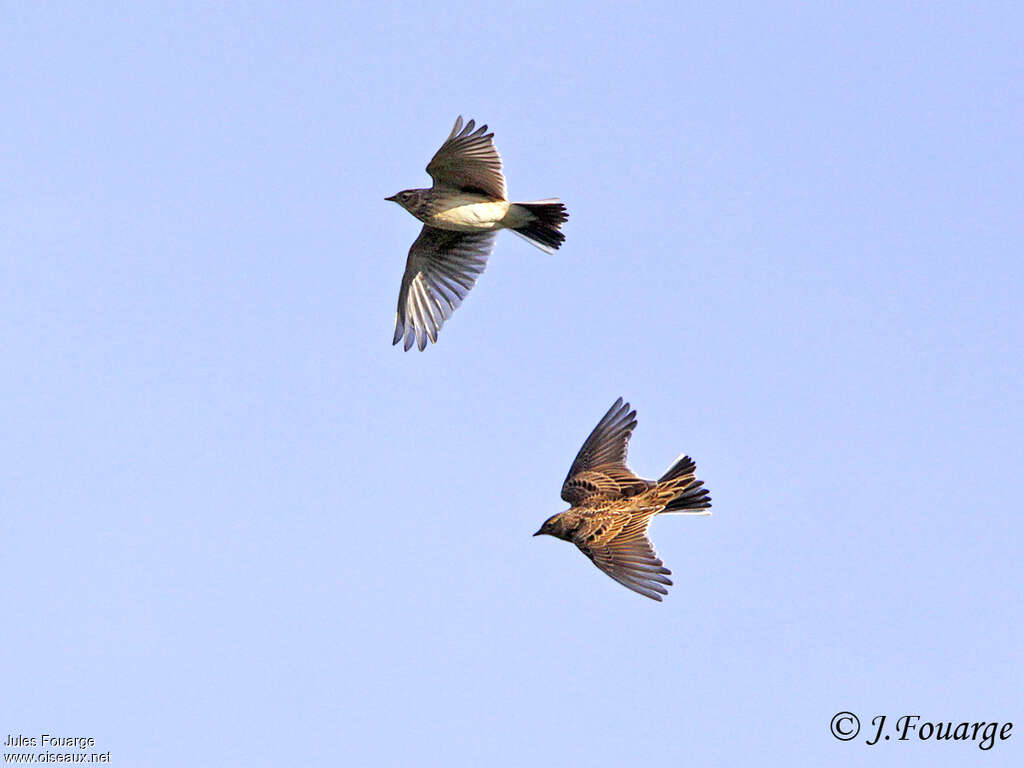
242 529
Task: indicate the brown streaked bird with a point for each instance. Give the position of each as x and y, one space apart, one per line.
611 507
461 214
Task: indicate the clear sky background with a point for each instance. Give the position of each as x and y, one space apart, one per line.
240 528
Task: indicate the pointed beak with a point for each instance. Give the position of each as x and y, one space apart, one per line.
392 198
538 533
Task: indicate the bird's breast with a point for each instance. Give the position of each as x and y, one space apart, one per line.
468 215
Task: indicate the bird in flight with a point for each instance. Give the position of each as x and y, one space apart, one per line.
611 507
461 214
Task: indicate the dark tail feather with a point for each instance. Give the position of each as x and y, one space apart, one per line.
684 465
545 229
691 498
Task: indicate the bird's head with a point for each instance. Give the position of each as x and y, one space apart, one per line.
556 525
408 199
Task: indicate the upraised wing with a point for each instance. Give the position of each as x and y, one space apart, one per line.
468 161
599 470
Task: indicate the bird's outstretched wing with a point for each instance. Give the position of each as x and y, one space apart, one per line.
599 470
468 162
441 269
619 546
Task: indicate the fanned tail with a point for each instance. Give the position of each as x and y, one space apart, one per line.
692 497
544 228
